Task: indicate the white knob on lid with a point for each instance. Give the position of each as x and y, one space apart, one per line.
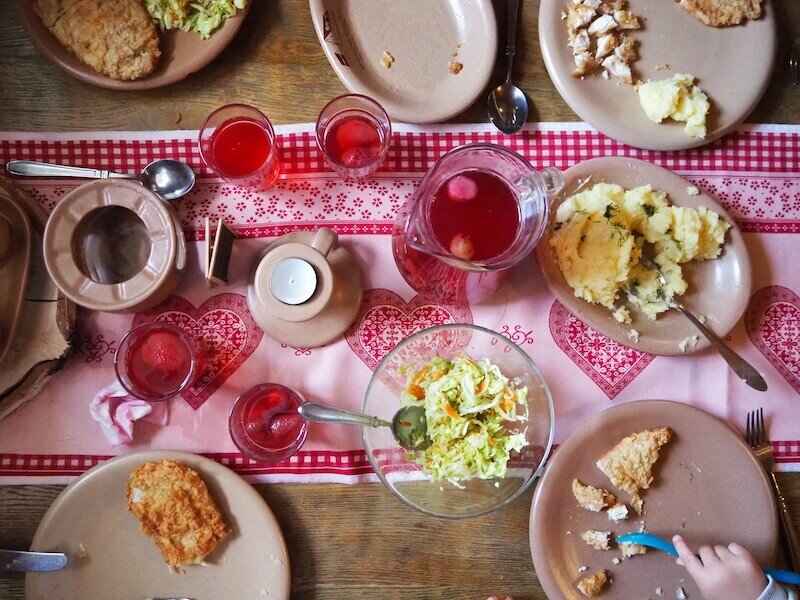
293 281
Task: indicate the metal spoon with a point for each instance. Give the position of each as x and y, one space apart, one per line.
740 366
507 104
409 425
168 178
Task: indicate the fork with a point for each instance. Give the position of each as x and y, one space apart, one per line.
794 61
758 440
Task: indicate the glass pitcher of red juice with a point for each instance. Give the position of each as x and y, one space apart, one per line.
478 211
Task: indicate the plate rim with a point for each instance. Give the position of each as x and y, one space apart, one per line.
97 79
544 255
151 455
548 583
417 114
547 56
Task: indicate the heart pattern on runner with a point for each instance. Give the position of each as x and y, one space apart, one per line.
385 319
612 366
224 329
773 324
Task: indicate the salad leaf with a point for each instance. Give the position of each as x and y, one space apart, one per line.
468 406
202 16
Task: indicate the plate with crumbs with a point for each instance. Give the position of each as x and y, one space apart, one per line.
182 52
424 61
690 495
718 289
671 41
109 557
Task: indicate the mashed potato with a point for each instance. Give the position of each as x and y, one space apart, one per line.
678 99
599 236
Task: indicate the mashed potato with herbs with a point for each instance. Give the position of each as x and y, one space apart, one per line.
599 236
678 99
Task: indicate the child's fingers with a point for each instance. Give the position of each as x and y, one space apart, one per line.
686 557
722 552
738 550
708 555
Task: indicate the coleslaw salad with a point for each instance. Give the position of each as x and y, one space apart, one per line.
202 16
470 408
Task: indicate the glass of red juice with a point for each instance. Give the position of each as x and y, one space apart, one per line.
238 143
353 133
265 425
156 361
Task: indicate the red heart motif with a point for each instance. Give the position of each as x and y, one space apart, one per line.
610 365
224 329
773 324
385 319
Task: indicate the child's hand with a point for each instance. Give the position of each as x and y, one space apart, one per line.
728 572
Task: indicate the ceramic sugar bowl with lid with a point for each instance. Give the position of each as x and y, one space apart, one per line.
114 246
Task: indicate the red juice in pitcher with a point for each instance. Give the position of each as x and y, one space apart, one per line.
474 215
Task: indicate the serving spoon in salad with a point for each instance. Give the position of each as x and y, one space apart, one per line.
409 425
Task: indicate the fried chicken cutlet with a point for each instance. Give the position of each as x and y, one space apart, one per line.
176 510
115 37
723 13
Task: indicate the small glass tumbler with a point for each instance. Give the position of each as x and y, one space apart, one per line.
156 361
353 133
238 143
265 425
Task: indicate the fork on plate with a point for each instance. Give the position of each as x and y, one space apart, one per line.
757 438
794 61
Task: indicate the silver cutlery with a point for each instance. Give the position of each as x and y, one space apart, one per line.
17 560
168 178
757 438
740 366
507 104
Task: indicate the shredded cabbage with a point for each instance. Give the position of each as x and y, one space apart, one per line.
202 16
468 406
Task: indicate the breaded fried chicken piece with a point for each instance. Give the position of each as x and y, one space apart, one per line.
629 464
591 498
723 13
114 37
593 584
176 510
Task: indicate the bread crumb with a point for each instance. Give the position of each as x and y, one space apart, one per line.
455 67
596 539
387 60
593 584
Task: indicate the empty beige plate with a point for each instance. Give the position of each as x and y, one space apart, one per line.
732 66
719 289
182 53
122 563
691 494
400 53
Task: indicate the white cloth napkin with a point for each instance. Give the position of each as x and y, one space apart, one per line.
116 411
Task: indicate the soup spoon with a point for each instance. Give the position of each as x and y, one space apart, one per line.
507 104
409 426
168 178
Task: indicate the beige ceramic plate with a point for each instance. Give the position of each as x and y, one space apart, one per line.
182 53
421 36
707 486
122 563
732 65
719 289
15 256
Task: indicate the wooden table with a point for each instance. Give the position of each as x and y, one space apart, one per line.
344 541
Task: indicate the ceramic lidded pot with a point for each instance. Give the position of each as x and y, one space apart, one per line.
305 289
114 246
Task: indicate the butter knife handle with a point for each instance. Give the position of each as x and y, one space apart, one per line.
789 532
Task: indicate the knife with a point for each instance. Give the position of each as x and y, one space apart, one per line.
16 560
653 541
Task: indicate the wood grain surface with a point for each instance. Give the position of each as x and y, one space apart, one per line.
344 541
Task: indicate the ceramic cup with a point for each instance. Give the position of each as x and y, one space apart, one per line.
114 246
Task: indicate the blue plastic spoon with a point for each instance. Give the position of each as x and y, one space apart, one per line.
653 541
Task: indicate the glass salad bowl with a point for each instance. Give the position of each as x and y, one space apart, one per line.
402 471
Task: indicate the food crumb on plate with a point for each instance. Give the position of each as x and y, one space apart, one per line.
596 539
693 190
593 584
659 591
455 67
618 512
387 59
633 336
689 343
680 594
82 553
616 560
582 569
